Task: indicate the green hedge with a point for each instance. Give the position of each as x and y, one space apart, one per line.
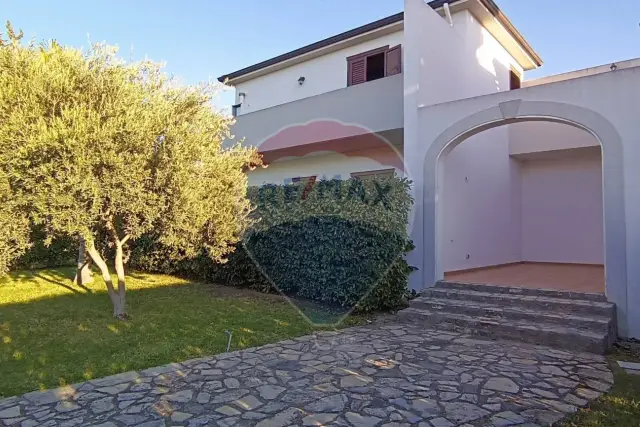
341 243
60 252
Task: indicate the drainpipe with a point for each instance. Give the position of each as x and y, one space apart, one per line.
447 12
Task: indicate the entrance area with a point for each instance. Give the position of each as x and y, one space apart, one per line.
522 206
565 277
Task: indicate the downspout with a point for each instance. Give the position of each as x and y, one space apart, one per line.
447 12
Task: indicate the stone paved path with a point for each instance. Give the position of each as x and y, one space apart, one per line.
379 375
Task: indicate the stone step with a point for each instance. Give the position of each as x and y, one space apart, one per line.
552 293
543 303
520 330
495 311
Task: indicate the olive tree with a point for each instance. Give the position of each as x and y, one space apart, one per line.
105 150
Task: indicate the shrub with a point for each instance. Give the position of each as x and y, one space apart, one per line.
62 251
340 243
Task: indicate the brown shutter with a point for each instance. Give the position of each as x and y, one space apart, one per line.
357 71
394 60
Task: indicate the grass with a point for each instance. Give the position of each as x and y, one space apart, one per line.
618 408
53 333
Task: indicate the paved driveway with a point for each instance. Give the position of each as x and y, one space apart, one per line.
379 375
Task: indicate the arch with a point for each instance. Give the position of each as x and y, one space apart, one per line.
521 111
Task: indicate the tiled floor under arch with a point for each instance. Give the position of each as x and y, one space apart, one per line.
565 277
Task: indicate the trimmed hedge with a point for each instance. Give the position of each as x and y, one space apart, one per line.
339 242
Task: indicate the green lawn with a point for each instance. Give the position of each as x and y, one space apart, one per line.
618 408
53 333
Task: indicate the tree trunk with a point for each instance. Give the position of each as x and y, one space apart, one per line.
121 280
84 274
117 299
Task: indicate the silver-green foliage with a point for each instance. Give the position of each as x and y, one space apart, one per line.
94 147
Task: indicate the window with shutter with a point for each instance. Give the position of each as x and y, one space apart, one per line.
394 60
357 71
374 64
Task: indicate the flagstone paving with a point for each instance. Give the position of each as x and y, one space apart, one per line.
387 375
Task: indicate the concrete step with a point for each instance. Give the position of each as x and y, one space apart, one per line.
541 303
520 330
551 293
508 312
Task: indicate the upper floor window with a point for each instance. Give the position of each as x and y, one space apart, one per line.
374 64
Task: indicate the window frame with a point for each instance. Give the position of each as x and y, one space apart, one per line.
374 173
310 182
364 55
515 79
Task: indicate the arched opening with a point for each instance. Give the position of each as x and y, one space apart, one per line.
521 204
460 127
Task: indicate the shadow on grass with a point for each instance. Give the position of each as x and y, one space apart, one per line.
69 338
66 283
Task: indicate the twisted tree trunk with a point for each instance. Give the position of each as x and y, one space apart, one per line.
117 297
84 274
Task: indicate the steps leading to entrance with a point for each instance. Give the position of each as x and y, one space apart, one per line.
538 316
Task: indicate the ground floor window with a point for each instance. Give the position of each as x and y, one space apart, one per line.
383 173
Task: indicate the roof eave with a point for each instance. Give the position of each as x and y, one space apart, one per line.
490 5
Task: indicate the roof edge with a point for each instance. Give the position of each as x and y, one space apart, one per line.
491 6
398 17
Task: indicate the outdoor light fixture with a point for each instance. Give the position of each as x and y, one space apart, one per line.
613 67
301 80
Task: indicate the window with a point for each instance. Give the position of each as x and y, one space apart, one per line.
307 179
374 64
383 173
310 180
515 81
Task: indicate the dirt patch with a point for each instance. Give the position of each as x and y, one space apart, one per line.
627 350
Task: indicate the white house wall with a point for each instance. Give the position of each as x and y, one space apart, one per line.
457 62
476 63
322 74
482 48
464 61
324 166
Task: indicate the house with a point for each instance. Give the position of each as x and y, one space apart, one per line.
528 182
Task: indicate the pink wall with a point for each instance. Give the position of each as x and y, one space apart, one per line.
481 192
562 219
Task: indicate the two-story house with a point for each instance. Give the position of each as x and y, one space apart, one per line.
534 197
335 108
